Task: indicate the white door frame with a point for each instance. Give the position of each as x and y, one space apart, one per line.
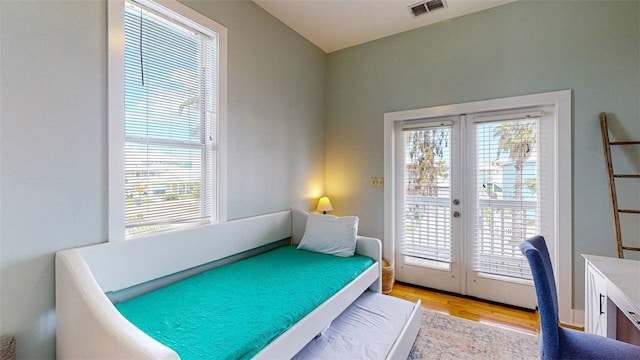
561 249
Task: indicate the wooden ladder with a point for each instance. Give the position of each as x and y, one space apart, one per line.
606 144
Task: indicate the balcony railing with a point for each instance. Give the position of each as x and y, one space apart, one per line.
500 226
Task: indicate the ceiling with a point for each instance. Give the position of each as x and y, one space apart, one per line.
337 24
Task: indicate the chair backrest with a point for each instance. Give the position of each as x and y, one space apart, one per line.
536 252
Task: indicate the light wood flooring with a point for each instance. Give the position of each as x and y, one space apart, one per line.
489 313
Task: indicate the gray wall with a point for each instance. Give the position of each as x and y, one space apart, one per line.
521 48
53 149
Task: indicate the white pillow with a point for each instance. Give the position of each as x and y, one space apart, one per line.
330 234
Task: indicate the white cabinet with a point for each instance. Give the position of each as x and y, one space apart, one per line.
595 301
612 301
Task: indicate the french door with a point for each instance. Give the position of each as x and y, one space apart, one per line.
428 203
468 190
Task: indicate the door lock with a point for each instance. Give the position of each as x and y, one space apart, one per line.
456 214
456 202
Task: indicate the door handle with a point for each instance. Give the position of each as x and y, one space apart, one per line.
601 298
456 214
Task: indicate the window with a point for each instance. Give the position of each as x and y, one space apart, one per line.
507 152
426 206
167 91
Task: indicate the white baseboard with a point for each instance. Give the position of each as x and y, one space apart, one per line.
577 318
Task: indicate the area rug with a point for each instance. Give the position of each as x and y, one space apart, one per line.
448 337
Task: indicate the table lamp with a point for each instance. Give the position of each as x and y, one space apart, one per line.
324 205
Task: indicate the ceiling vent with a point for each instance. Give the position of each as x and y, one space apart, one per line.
425 7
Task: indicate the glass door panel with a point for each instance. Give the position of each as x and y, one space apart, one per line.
425 164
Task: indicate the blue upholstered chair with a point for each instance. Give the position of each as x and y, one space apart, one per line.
557 342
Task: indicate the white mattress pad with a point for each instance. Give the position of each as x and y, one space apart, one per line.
367 329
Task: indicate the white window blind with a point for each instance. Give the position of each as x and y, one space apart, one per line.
507 189
169 122
426 220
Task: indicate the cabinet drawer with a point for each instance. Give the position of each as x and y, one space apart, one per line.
626 306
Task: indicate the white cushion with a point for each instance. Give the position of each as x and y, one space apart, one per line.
329 234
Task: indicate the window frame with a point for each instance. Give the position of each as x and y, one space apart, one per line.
116 136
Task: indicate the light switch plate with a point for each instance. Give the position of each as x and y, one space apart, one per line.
377 182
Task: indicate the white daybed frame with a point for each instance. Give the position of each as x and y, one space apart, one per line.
89 326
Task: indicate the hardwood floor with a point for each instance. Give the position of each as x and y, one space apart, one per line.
489 313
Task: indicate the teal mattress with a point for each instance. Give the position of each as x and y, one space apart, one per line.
234 311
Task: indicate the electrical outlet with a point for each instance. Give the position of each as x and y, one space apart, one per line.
377 182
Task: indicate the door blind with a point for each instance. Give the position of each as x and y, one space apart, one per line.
170 107
507 178
426 219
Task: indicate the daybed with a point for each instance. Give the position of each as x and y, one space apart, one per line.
91 279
